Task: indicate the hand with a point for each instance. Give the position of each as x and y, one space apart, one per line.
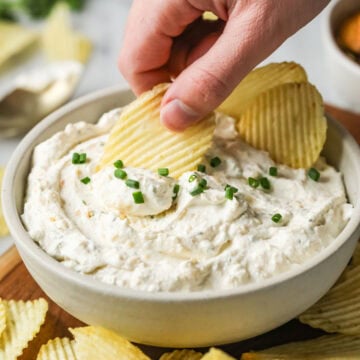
167 39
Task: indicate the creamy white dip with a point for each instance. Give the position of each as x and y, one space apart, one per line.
191 243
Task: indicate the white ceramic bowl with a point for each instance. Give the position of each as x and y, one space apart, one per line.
343 73
179 319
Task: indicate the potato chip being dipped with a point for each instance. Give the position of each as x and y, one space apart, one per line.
139 140
288 122
258 81
57 349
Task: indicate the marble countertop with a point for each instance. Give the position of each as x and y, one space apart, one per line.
104 22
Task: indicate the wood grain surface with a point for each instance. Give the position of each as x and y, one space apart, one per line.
16 283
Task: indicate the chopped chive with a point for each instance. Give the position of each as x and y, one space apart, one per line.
276 218
192 178
120 174
273 171
85 180
314 174
254 183
132 184
214 162
203 183
118 164
201 168
234 189
163 171
197 191
176 191
75 158
265 183
82 158
138 197
229 193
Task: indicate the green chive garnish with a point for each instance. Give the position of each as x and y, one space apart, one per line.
314 174
273 171
75 158
120 174
132 184
254 183
201 168
234 189
82 158
176 191
229 194
163 171
197 191
138 197
203 183
214 162
118 164
85 180
276 218
265 183
192 178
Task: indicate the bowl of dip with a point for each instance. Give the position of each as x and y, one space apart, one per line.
156 302
340 37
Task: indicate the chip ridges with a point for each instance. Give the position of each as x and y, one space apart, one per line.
139 140
258 81
287 121
23 322
2 317
57 349
109 345
184 354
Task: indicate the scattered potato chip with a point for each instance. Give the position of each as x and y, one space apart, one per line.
339 310
182 355
60 41
258 81
325 347
94 343
287 121
216 354
3 227
139 140
57 349
23 322
13 40
208 15
2 317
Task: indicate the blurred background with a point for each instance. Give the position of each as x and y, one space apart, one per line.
38 37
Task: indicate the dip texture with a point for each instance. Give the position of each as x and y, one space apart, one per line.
179 242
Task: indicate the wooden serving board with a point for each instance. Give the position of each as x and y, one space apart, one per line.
16 283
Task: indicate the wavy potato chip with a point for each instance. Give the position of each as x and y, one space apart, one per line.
339 310
57 349
216 354
182 355
3 227
330 347
2 317
23 322
139 140
14 39
287 121
95 342
258 81
60 41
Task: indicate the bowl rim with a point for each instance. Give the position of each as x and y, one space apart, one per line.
26 244
327 32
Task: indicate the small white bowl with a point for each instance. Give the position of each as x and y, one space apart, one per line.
343 72
179 319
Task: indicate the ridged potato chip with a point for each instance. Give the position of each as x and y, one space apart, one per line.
216 354
139 140
2 317
258 81
94 343
57 349
339 310
3 227
23 322
60 41
332 347
182 355
13 40
287 121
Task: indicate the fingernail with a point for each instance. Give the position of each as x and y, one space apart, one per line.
177 116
